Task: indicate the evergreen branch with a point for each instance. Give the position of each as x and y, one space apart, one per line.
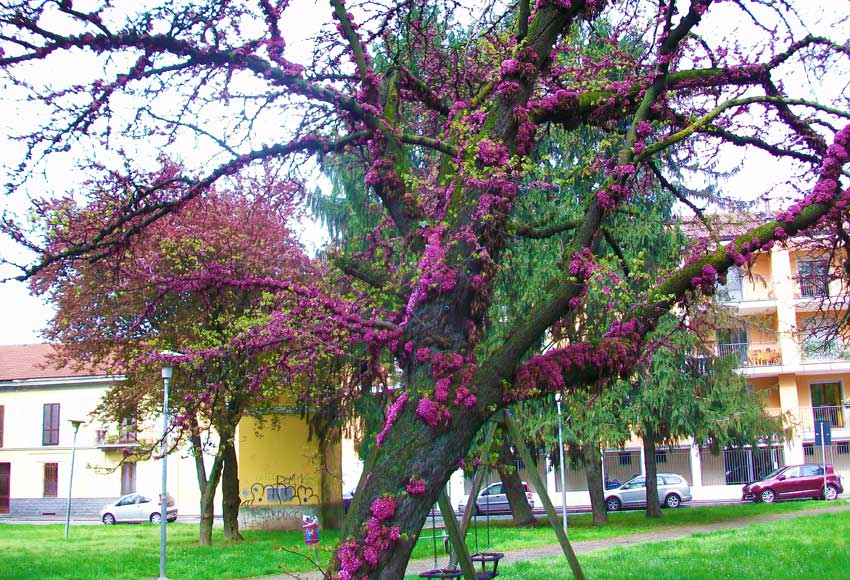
666 184
618 251
539 232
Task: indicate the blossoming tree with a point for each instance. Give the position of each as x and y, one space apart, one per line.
450 126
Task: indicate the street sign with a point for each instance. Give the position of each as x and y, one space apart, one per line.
823 433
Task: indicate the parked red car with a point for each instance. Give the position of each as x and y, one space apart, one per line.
794 481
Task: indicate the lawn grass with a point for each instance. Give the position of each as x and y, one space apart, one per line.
132 551
504 538
807 547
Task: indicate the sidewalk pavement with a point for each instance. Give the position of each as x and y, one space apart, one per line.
415 567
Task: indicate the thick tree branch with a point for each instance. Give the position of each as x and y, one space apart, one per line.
130 223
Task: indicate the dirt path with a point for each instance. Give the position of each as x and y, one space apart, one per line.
417 566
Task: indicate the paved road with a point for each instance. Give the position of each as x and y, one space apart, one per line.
417 566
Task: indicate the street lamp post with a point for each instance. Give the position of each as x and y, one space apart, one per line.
561 459
76 425
167 372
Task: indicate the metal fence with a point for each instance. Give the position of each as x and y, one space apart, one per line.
738 466
752 354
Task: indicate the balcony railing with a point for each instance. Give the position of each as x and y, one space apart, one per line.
836 415
752 354
746 290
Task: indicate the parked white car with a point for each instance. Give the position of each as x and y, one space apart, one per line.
673 491
493 500
134 508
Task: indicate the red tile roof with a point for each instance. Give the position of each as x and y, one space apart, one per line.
33 361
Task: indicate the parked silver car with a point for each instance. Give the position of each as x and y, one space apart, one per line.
673 491
135 507
493 500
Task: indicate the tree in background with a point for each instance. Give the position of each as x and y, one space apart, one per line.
675 396
191 282
445 138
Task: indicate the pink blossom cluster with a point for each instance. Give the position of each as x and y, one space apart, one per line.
827 189
706 279
525 131
464 397
546 372
349 560
559 100
629 329
415 486
492 154
432 412
354 557
582 264
437 277
393 412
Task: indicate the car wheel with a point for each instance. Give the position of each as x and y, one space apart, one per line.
156 517
831 493
108 519
673 501
613 504
767 496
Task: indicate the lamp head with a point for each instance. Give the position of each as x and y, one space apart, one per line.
75 423
167 372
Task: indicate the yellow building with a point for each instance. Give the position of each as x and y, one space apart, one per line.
282 474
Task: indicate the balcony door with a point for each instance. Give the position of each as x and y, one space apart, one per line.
826 403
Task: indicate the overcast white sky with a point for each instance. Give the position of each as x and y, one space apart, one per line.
23 316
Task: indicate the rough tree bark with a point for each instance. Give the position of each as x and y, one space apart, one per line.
230 493
512 485
595 484
653 509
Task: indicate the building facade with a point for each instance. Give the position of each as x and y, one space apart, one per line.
280 466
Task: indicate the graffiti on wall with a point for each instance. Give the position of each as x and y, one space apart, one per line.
285 489
279 503
274 517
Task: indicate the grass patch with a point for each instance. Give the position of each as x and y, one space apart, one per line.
504 538
807 547
131 552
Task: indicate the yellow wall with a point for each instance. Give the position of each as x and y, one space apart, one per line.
282 474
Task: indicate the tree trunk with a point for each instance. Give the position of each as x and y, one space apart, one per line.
512 485
207 487
230 493
595 485
653 509
432 460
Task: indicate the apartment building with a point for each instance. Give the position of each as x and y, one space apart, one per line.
785 332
